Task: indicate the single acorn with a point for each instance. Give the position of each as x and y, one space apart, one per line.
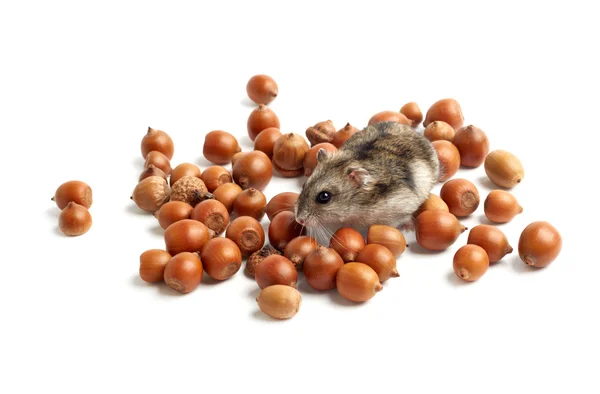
191 190
151 193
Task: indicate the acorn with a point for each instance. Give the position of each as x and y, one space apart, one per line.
449 159
151 193
539 244
357 282
152 170
447 110
492 240
262 89
389 116
501 206
503 168
412 112
184 169
74 220
289 151
171 212
320 268
275 270
152 265
310 159
73 191
220 146
470 262
281 202
183 272
157 140
298 248
253 169
347 242
439 130
437 229
159 160
279 301
191 190
258 256
321 132
472 144
387 236
461 196
265 141
260 119
381 259
433 202
343 135
186 235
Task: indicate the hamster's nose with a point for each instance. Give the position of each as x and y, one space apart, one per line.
301 221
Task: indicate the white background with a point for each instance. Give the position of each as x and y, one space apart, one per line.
79 85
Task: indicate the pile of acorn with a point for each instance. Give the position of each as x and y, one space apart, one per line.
196 207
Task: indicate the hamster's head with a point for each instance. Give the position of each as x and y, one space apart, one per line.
335 193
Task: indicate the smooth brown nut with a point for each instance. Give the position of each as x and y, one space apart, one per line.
157 140
183 272
276 270
279 301
74 220
262 89
390 116
470 262
221 258
447 110
472 144
539 244
503 168
76 191
260 119
413 113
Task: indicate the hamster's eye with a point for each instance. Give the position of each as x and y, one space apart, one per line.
323 197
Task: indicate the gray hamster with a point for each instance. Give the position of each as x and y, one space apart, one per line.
381 175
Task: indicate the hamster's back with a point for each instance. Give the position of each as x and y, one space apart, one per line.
377 142
402 160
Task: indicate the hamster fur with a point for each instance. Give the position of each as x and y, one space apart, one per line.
381 175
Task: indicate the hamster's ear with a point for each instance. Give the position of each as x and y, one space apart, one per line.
321 155
359 177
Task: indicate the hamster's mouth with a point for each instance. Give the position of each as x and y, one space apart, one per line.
301 219
306 222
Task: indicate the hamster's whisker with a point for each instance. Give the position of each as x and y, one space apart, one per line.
311 231
330 235
334 237
321 234
316 234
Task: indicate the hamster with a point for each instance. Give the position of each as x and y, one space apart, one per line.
381 175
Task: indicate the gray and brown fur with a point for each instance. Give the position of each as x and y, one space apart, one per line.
381 175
